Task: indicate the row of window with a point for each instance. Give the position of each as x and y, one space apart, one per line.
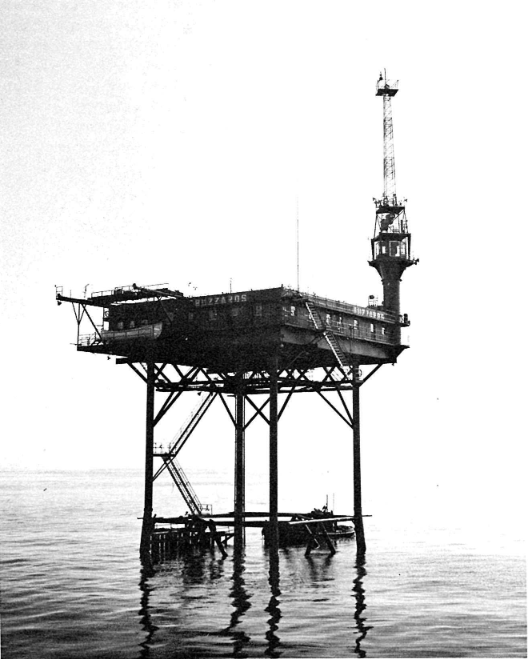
337 321
130 324
331 320
292 311
394 248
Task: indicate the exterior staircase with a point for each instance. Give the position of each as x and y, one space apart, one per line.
175 469
185 432
331 339
184 486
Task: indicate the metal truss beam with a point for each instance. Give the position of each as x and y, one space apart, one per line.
367 377
254 386
348 421
80 312
258 410
174 380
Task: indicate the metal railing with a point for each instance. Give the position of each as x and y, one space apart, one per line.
336 305
387 84
87 340
190 424
342 329
184 486
124 289
398 225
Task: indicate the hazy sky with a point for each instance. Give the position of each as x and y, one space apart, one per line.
157 142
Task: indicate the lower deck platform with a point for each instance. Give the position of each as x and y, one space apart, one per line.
172 535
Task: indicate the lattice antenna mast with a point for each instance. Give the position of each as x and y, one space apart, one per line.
389 166
388 89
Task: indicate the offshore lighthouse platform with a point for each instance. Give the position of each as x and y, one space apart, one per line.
259 347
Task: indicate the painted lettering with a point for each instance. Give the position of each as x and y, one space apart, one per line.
220 299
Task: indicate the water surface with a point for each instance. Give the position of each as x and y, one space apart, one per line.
73 586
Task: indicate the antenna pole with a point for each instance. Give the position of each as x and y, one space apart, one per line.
297 215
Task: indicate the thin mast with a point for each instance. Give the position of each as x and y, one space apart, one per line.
297 219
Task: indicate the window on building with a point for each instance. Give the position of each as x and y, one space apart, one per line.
292 310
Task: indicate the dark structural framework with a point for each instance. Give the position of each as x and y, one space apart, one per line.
259 347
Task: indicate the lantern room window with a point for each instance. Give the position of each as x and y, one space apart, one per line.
394 248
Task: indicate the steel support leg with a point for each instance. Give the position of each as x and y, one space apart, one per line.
146 530
358 510
240 465
273 457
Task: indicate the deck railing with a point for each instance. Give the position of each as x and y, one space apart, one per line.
354 309
124 289
343 329
87 340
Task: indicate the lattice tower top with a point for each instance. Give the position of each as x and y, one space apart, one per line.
387 89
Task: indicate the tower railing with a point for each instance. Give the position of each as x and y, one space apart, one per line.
390 201
396 226
387 85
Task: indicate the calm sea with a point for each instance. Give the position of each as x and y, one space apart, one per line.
72 585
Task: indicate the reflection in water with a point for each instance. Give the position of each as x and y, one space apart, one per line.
241 601
273 606
146 572
319 567
359 595
193 570
193 567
